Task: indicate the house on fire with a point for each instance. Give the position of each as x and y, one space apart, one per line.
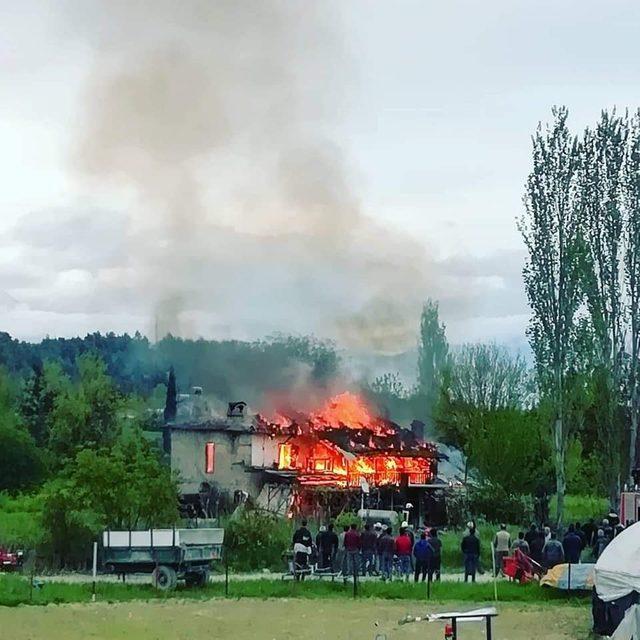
313 464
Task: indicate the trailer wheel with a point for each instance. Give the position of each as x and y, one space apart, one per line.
197 578
164 578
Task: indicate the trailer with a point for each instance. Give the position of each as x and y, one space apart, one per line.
168 555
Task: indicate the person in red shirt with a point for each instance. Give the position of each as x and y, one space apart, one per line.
352 545
403 551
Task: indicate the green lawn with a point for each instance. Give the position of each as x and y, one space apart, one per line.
15 590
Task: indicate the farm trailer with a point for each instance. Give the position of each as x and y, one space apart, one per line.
168 555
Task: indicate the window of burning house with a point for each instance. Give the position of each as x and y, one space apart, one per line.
287 454
209 457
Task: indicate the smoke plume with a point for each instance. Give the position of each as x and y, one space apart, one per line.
217 121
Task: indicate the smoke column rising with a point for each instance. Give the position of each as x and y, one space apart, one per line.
219 118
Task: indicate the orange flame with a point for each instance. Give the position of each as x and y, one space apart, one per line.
345 409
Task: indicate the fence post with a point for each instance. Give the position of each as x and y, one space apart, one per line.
95 571
355 576
226 575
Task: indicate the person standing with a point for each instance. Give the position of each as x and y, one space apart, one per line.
521 544
329 548
501 545
403 551
581 534
423 554
352 545
572 546
320 539
302 542
536 546
552 553
377 529
470 547
341 563
600 544
436 544
368 542
531 535
387 547
589 530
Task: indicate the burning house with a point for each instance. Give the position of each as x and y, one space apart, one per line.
319 463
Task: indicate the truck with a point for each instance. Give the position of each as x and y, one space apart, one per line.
168 555
9 560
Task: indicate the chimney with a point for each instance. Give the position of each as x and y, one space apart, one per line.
236 409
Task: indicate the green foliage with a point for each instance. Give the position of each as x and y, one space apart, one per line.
346 519
124 487
256 540
579 508
21 462
433 353
85 414
494 503
511 449
14 591
20 521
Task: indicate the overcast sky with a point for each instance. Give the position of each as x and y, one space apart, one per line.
236 168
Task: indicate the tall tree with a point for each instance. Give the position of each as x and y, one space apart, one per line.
171 403
85 414
433 351
603 152
552 231
488 377
631 198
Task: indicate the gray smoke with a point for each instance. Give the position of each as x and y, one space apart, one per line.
217 121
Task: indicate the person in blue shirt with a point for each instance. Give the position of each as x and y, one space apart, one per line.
423 553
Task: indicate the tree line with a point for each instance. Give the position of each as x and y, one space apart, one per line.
581 229
227 369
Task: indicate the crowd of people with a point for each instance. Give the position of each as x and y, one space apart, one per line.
374 550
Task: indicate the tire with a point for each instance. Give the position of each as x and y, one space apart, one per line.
109 568
164 578
197 579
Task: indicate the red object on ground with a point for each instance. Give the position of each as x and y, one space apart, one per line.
518 567
9 561
448 631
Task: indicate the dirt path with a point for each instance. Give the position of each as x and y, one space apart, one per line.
276 620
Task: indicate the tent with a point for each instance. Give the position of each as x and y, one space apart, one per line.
574 577
617 580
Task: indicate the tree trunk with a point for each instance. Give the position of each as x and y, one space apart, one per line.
633 436
561 480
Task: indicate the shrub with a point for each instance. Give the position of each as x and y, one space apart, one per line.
256 540
493 503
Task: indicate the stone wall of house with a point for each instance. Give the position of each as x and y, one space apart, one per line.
231 462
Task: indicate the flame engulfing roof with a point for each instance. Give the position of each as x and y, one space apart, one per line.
343 443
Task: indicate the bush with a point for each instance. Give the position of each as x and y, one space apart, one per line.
580 508
346 519
256 540
20 521
493 503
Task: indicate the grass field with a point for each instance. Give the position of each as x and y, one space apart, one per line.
291 619
15 590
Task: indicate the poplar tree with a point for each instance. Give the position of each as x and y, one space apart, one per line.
552 231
